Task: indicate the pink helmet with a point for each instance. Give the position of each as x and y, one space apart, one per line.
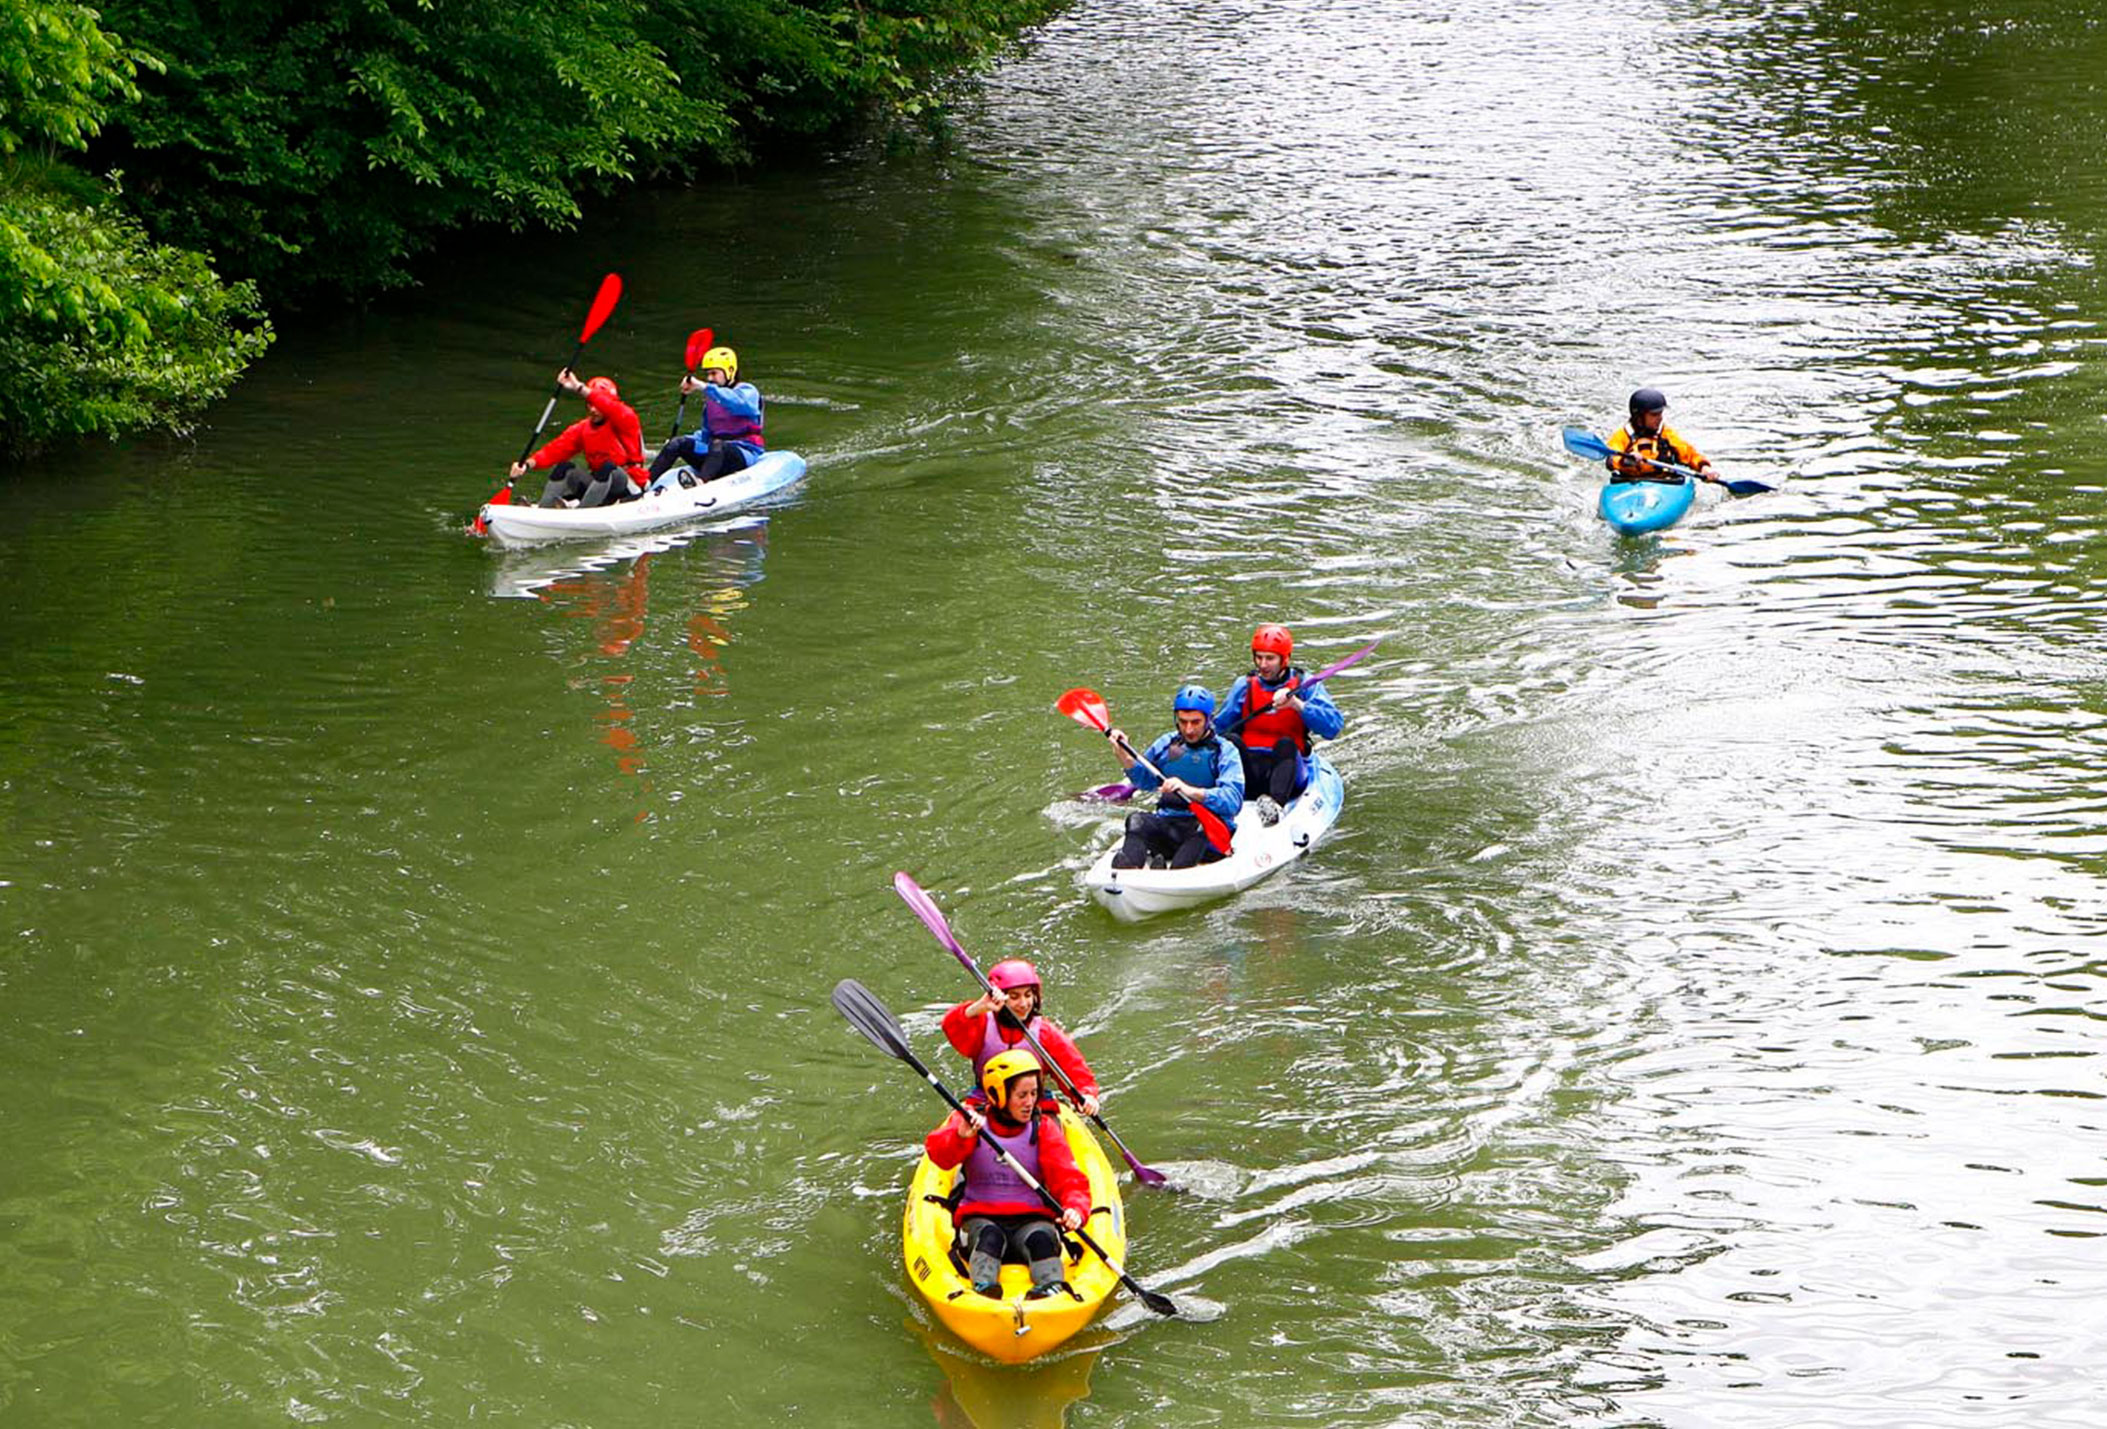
1013 972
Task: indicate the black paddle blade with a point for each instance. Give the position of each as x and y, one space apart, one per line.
1158 1302
868 1015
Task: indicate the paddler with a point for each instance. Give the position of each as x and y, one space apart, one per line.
1648 440
1271 720
994 1023
729 438
1197 768
609 440
997 1212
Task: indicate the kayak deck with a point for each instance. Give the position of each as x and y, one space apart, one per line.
1636 507
1014 1329
514 525
1256 852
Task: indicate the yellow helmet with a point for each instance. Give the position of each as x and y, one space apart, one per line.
722 357
1002 1069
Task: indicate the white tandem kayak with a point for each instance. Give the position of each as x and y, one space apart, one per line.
1255 853
513 526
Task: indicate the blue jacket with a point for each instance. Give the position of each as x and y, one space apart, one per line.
1319 715
740 408
1213 767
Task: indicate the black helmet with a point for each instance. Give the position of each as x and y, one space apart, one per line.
1648 399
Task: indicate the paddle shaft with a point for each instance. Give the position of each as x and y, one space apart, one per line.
933 918
1587 444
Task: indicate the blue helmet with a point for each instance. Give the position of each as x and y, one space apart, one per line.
1193 697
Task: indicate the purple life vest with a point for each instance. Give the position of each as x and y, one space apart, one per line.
991 1043
990 1179
725 425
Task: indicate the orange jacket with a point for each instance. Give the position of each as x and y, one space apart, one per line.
1666 444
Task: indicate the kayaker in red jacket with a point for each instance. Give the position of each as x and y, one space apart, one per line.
998 1211
609 439
993 1023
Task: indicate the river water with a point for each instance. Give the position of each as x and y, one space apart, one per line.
414 987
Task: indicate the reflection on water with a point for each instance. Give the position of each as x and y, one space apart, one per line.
608 586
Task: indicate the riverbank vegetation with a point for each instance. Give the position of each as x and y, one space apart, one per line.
172 166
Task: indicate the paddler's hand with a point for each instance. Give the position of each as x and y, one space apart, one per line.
1710 473
1089 1104
1072 1219
975 1123
519 469
984 1004
568 381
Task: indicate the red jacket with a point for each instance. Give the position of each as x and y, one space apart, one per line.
964 1032
619 439
952 1142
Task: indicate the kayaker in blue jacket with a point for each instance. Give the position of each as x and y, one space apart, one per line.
1198 766
729 438
1272 721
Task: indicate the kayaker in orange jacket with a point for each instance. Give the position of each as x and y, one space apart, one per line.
998 1211
1648 439
609 439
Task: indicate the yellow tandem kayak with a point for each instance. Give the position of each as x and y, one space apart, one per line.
1014 1329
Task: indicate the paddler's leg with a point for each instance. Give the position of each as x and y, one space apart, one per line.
724 459
1289 777
610 484
672 454
1042 1252
559 479
1147 834
986 1241
1193 849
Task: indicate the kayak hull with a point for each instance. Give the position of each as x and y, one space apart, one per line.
1256 853
1014 1329
513 526
1636 507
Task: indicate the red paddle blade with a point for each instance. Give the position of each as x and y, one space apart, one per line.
698 343
503 497
1211 824
603 303
1086 707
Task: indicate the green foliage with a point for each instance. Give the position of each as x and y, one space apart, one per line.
57 72
322 144
811 66
101 330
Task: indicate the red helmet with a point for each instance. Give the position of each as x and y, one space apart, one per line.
1013 972
603 385
1274 638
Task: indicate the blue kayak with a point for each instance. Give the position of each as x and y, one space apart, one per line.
1635 507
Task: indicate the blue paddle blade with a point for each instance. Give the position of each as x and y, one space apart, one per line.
1584 443
1748 488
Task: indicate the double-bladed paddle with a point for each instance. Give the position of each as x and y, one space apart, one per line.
1584 443
869 1016
1088 708
603 304
698 343
1120 793
933 919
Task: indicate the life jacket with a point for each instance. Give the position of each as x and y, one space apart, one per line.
1199 765
991 1042
1276 722
988 1178
1653 446
724 425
